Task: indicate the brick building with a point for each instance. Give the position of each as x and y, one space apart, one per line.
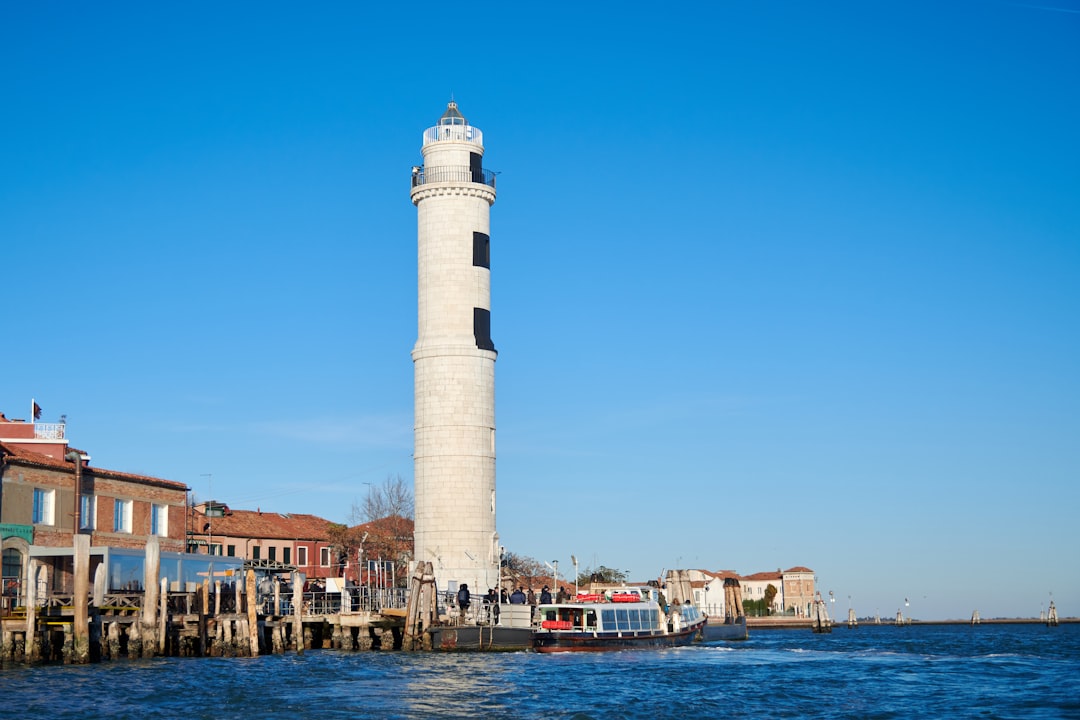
49 491
293 539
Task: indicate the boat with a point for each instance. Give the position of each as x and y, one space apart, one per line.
499 627
618 619
730 628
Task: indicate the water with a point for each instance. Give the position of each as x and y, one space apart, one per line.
954 671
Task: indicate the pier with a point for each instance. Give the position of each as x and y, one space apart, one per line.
247 612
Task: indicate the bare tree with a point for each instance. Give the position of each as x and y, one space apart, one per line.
394 497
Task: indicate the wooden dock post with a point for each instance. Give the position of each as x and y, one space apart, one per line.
151 573
419 613
34 574
80 644
298 608
252 613
163 614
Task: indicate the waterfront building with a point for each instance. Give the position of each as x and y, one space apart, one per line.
454 359
798 589
271 539
49 492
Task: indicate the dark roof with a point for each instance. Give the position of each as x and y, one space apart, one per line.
452 116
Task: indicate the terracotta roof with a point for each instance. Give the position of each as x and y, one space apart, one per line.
773 575
22 456
259 524
799 569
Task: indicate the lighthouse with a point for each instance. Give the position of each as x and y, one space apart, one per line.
454 359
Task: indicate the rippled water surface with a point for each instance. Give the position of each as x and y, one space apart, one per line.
991 671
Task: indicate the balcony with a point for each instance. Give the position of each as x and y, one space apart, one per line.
454 133
451 174
49 431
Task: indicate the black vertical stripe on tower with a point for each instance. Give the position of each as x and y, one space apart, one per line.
475 170
481 250
482 328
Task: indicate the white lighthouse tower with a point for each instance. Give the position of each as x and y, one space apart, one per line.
454 360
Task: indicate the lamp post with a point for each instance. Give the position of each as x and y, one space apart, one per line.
209 513
573 559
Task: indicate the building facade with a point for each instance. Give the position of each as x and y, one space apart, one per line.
285 539
49 492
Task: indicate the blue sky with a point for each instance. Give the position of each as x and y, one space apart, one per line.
773 283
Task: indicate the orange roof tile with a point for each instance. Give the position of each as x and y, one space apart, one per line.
13 453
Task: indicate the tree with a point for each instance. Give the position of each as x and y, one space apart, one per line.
770 595
393 498
602 574
523 567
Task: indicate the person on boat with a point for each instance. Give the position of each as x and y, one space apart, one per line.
562 596
545 596
463 598
531 598
518 597
503 596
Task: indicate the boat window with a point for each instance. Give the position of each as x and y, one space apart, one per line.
549 614
590 618
635 620
623 620
608 616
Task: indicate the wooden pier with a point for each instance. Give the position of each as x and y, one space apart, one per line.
212 620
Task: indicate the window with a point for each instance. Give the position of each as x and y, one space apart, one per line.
301 556
11 578
482 328
255 552
43 506
159 520
271 554
230 550
481 250
285 555
324 557
475 170
87 512
122 516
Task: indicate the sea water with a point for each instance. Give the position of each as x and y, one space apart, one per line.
919 671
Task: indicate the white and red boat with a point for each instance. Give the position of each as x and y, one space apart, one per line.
630 617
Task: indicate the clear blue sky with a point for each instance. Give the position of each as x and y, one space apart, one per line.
774 283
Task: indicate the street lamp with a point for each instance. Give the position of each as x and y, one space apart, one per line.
210 513
573 559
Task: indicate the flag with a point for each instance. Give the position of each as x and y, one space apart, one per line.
37 410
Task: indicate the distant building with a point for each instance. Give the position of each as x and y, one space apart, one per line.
755 586
798 590
49 491
283 539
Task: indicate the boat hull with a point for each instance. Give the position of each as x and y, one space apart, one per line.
551 642
487 638
725 631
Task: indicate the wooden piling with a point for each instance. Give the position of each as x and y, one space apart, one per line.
80 641
298 603
252 613
34 574
152 571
